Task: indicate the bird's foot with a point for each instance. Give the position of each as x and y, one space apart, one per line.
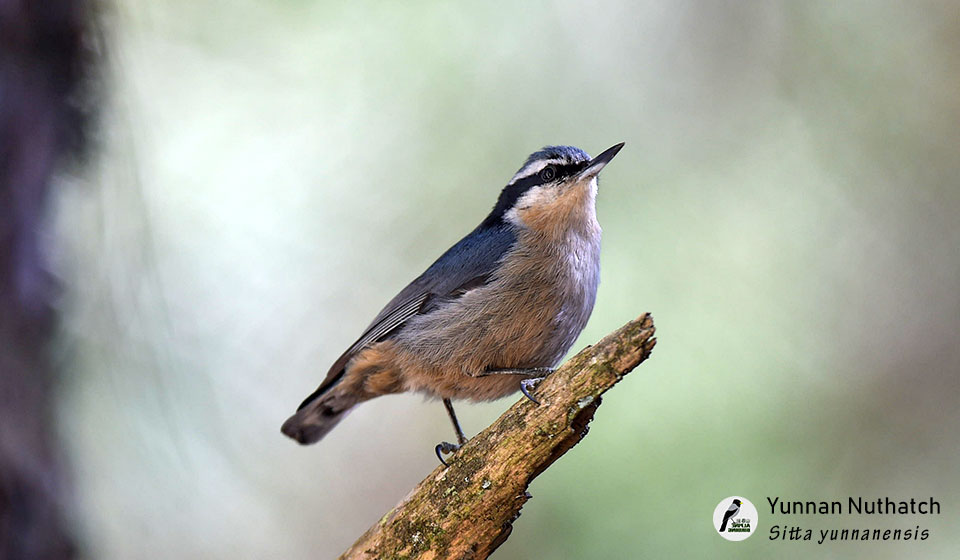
528 385
445 447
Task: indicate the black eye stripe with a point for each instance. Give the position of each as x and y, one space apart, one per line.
511 194
562 170
569 169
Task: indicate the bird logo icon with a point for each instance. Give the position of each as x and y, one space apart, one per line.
731 511
735 518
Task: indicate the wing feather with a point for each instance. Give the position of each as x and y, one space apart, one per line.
467 265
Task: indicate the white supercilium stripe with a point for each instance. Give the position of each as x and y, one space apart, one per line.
535 167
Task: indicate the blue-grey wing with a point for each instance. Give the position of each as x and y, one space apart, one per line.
467 265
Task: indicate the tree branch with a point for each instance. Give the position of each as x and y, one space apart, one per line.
467 510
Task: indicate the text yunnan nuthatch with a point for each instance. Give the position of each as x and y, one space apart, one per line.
493 314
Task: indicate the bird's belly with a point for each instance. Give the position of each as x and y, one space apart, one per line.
530 321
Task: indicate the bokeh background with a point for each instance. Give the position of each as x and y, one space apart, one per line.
269 174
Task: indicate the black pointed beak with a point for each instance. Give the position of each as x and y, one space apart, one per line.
599 162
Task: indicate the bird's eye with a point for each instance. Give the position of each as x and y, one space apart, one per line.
548 173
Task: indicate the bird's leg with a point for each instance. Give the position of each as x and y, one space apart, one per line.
526 385
447 447
461 439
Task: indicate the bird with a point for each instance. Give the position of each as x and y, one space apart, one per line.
493 315
731 511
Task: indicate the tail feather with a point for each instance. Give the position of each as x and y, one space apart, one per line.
314 419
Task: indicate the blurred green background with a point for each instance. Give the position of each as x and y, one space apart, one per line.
271 173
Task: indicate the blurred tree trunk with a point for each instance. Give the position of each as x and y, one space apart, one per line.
42 66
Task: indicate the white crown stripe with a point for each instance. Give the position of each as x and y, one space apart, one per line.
534 167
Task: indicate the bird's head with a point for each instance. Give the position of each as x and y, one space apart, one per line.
555 189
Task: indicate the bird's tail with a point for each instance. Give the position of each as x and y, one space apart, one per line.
315 418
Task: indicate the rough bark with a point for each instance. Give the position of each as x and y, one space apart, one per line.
467 510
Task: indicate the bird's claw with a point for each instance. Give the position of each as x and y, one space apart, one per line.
528 385
445 447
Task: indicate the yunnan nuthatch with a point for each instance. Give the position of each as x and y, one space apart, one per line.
493 314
